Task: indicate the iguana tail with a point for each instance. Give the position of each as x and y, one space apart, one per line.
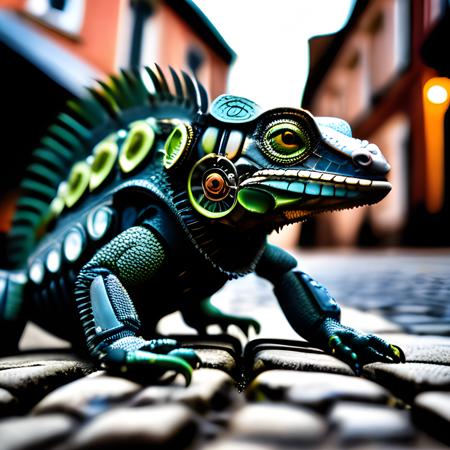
11 301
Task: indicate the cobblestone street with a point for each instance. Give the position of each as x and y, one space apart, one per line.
276 392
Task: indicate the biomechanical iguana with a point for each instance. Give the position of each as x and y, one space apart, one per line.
140 201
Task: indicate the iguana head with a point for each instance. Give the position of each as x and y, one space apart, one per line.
275 167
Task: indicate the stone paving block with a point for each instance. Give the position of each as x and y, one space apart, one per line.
431 412
209 389
308 361
162 426
8 403
427 349
217 359
30 378
357 423
88 396
35 432
407 380
217 351
316 390
277 423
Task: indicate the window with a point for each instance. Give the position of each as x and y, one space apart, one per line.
63 15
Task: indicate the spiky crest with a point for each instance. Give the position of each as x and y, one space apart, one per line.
75 132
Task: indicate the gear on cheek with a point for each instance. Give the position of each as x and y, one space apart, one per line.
212 186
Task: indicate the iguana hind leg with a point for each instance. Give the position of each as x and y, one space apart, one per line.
110 321
201 315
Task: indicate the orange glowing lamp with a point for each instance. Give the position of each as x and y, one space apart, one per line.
436 98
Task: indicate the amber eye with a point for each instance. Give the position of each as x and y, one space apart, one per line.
288 139
215 186
285 142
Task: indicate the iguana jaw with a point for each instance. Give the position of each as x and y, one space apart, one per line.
291 195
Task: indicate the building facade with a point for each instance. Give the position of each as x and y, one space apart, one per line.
374 74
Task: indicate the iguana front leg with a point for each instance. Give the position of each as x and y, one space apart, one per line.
110 321
315 315
199 316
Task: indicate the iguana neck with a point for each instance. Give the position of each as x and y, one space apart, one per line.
229 250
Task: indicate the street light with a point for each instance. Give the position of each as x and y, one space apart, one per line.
436 99
437 94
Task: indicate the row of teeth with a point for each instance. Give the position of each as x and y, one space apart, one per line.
306 174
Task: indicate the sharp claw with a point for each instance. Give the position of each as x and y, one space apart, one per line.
256 326
398 352
187 355
165 362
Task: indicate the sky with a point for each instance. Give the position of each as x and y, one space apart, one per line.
270 38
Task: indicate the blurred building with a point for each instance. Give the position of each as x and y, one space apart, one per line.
385 74
52 49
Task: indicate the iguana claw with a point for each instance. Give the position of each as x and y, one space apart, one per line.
141 363
357 349
208 314
188 355
243 323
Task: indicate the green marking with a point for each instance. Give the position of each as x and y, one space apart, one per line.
77 183
256 200
105 155
137 146
177 145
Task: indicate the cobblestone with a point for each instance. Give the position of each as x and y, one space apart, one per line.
35 432
432 412
209 389
357 423
298 360
88 396
275 422
162 426
31 378
8 403
406 380
315 390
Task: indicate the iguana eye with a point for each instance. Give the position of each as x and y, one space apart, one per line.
285 143
286 140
